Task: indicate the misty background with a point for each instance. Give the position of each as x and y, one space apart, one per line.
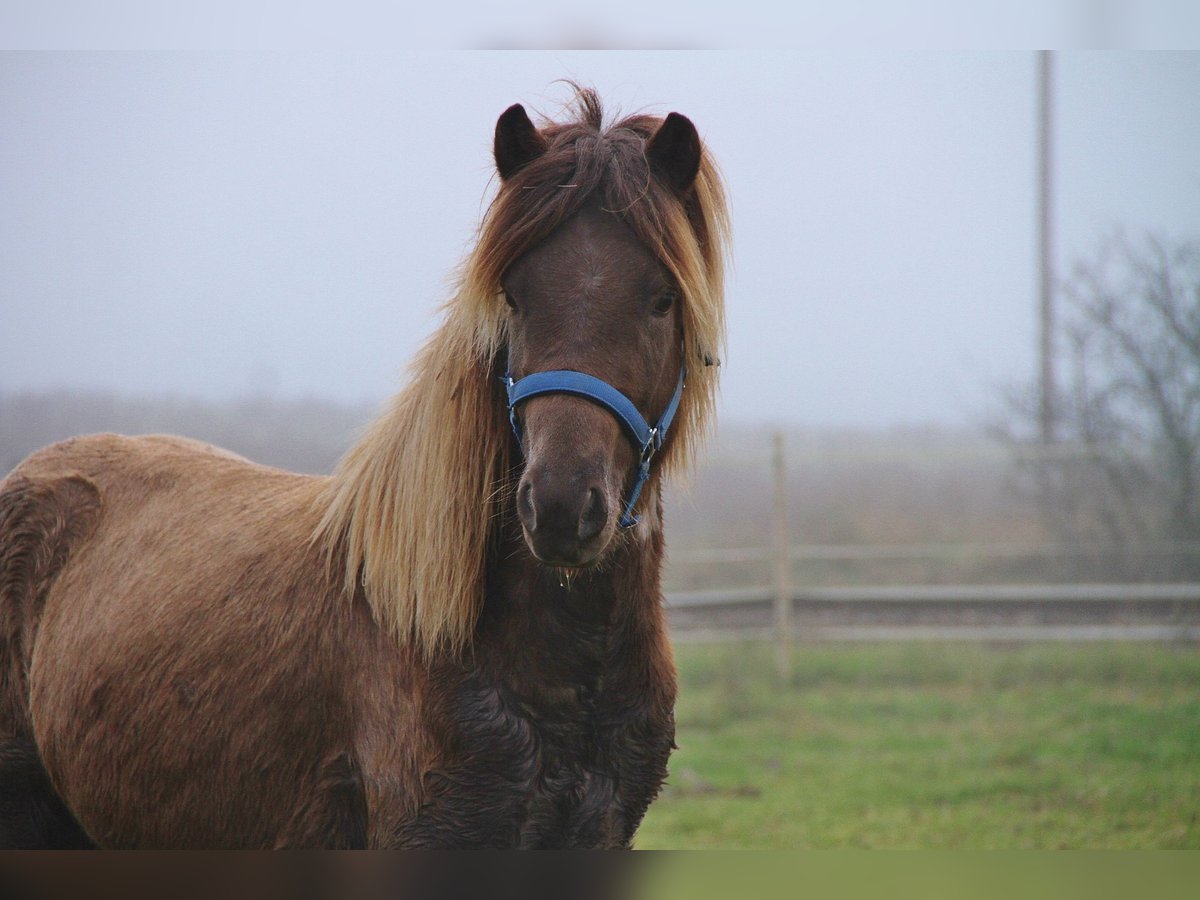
223 225
249 247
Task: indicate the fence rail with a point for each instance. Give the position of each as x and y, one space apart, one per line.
834 552
970 612
1006 634
948 593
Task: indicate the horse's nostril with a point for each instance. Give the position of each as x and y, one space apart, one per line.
594 516
525 507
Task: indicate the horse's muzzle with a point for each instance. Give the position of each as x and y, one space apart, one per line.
565 519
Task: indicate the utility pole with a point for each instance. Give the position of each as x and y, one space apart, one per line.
1046 410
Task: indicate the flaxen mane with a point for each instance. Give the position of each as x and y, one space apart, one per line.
410 509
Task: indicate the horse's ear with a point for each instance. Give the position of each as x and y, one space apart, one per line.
674 151
518 142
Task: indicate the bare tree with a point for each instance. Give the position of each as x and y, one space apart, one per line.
1126 467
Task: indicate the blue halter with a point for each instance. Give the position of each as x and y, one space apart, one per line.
647 439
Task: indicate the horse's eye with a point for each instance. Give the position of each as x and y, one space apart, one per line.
663 304
508 298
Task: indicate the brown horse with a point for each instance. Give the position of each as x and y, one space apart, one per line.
455 640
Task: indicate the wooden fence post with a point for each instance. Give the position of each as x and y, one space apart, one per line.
781 565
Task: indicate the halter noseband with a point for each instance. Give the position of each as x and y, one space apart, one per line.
646 438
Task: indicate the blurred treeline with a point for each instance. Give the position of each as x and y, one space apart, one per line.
854 486
927 505
887 506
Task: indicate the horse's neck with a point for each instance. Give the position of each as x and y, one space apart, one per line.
543 629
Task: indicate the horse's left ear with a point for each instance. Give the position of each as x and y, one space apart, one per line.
518 142
674 151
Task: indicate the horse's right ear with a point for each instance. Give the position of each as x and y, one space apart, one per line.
518 142
674 151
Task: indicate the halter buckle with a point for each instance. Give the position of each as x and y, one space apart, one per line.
650 447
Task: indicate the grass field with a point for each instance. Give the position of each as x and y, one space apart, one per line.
934 746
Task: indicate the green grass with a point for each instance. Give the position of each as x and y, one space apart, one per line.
934 746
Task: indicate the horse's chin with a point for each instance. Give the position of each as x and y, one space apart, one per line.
568 565
572 559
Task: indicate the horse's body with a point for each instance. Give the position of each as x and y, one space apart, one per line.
256 707
199 651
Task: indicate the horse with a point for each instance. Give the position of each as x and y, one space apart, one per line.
457 639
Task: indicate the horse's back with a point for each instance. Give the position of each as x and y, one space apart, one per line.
178 629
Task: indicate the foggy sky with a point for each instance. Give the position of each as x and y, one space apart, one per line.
218 225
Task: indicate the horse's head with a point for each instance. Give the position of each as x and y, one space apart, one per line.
592 296
609 242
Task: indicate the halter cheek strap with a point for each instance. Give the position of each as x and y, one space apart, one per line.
646 438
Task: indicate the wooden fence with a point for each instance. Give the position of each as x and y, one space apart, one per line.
776 607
